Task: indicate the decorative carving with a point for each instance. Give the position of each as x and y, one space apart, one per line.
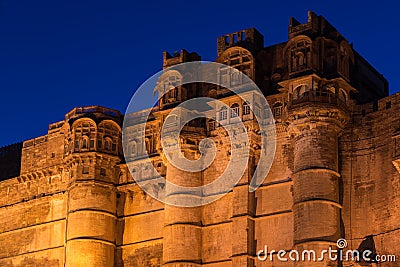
300 56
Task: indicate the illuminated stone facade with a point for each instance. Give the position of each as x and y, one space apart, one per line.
68 199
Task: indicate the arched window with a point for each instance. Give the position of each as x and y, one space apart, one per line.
107 144
344 61
122 178
300 91
148 143
172 94
299 54
332 90
300 59
277 109
223 113
110 135
239 59
169 84
343 95
84 144
133 149
246 108
235 110
83 130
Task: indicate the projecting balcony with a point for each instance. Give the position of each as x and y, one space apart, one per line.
318 98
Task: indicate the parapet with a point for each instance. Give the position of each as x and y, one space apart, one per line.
179 57
97 113
250 39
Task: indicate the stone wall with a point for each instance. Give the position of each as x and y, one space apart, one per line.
371 183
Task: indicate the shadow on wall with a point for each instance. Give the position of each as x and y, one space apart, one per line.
367 244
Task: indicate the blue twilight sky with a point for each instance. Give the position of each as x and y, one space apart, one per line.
55 55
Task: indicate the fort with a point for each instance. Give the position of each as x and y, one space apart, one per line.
68 199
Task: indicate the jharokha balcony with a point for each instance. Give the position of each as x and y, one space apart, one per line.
318 98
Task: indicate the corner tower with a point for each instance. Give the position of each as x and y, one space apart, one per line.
92 150
318 108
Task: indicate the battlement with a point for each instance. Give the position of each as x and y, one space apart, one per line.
34 141
315 26
249 38
179 57
381 105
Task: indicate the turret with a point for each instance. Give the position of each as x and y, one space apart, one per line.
317 113
92 149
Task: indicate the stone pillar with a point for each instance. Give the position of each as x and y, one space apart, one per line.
182 225
91 211
316 181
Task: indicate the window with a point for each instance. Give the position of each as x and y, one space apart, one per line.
85 170
343 63
343 95
170 85
300 56
277 109
108 137
225 76
246 108
84 143
235 110
107 144
172 93
133 149
223 113
211 125
300 59
300 91
99 144
84 131
149 145
103 172
241 60
236 77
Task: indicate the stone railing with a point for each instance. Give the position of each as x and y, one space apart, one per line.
319 98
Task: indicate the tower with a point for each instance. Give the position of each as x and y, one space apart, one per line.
92 150
318 110
316 121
